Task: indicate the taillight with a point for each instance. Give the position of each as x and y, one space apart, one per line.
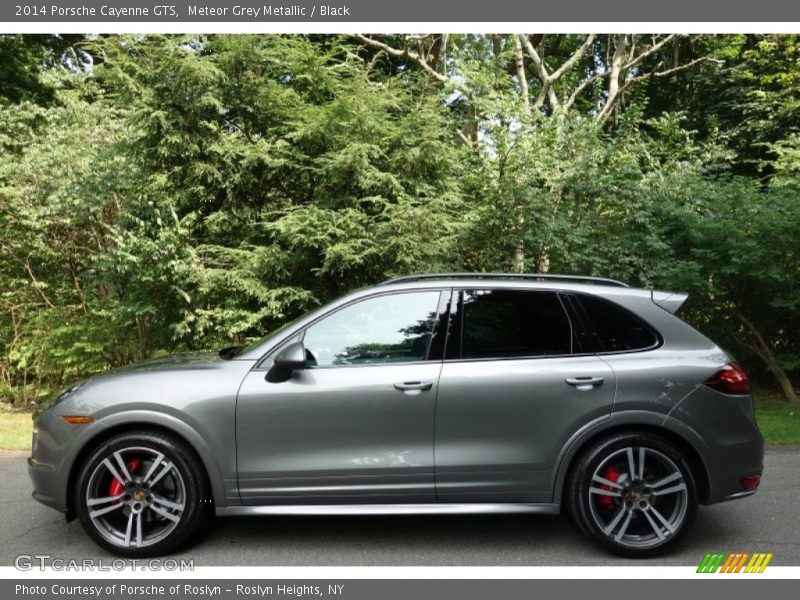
731 379
750 483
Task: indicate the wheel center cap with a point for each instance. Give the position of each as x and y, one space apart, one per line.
635 495
138 495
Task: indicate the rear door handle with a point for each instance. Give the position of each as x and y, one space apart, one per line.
413 386
584 383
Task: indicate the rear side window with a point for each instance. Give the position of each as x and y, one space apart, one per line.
513 323
613 328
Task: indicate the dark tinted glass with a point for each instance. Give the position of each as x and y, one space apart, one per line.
386 329
613 328
507 323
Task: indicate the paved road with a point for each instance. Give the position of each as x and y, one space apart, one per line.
767 522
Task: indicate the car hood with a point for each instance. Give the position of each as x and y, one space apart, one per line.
184 360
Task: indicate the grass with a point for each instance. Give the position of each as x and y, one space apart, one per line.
778 420
15 430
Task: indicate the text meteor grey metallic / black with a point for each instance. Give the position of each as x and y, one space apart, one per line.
450 392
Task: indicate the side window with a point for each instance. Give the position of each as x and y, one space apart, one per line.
615 329
386 329
508 323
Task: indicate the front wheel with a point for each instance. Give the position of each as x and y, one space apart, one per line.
633 493
141 494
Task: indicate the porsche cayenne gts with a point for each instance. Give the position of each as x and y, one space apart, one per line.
435 393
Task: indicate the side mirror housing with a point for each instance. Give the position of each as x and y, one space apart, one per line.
291 358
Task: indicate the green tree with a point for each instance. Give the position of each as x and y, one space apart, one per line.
748 99
295 176
739 256
162 193
62 182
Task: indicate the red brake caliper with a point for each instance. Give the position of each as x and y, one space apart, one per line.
612 475
116 487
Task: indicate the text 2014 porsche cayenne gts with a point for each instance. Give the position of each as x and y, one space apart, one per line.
434 393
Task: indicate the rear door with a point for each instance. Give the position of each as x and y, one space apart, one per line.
513 389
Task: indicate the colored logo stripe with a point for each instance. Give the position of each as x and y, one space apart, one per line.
758 563
734 562
711 563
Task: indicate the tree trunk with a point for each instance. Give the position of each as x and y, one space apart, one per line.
519 259
786 385
544 261
621 47
764 351
519 60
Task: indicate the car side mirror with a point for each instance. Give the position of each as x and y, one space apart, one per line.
291 358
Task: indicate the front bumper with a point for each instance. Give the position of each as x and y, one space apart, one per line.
54 447
44 482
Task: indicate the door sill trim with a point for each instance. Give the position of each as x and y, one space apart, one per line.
388 509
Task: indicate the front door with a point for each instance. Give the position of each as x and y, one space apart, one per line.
356 426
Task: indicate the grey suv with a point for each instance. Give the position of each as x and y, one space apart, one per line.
434 393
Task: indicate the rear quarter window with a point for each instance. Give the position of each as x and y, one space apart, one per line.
612 328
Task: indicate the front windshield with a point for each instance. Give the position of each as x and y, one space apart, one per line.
269 336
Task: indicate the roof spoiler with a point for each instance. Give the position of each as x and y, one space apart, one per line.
669 301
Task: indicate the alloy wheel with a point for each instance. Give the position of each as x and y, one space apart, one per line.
135 497
638 497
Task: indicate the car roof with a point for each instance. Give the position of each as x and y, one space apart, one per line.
546 281
508 276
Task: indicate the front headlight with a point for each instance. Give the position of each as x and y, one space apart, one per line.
66 393
55 399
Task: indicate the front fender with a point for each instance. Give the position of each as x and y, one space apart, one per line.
71 446
131 419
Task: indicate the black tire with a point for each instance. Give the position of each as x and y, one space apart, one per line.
594 509
187 482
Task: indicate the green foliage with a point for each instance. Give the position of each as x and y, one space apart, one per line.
57 199
751 103
737 253
23 68
198 192
188 192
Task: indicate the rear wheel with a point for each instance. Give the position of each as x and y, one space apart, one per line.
141 494
633 493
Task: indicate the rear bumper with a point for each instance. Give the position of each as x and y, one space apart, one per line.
732 464
732 446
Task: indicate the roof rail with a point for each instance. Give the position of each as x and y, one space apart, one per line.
532 276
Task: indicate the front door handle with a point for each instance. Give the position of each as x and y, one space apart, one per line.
413 386
584 384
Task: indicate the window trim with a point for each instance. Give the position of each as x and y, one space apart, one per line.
579 323
437 345
453 324
301 333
